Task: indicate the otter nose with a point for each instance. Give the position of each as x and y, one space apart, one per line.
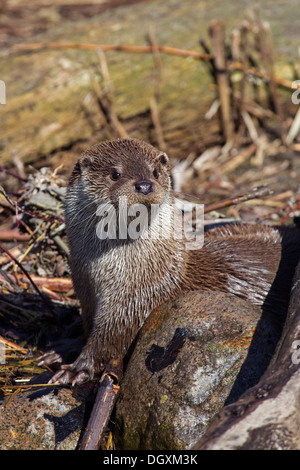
143 187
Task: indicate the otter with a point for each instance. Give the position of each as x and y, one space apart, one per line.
120 280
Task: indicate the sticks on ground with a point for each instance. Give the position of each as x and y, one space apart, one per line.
146 49
108 391
255 194
222 80
105 100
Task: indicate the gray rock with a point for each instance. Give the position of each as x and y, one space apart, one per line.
48 419
193 355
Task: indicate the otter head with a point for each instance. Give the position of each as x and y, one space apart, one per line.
125 168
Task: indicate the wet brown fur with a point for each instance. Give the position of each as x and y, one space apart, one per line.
120 282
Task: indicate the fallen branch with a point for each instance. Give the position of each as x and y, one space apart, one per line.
237 160
44 299
105 100
107 394
56 284
157 61
110 47
13 234
257 193
10 344
266 31
156 123
11 173
18 208
220 72
146 49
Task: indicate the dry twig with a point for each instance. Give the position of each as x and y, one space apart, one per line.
108 391
146 49
222 80
254 194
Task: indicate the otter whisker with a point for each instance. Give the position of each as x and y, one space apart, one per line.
83 209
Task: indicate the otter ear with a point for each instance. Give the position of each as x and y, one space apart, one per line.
163 158
85 162
76 173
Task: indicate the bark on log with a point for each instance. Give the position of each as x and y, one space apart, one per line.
267 416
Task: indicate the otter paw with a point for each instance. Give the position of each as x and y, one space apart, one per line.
80 371
49 358
66 375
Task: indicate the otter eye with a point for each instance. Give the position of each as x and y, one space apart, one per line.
155 173
115 175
